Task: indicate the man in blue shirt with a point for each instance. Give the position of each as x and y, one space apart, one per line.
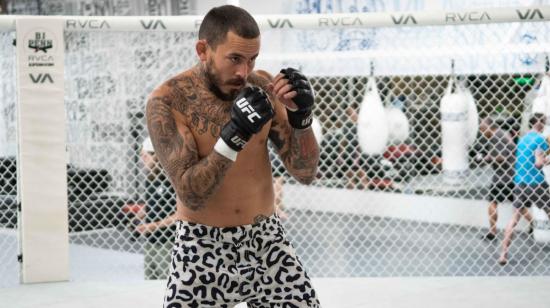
530 185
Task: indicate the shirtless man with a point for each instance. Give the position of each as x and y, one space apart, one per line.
209 126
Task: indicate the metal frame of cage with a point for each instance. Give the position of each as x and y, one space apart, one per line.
52 168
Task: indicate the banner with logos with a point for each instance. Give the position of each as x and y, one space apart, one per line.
42 174
433 33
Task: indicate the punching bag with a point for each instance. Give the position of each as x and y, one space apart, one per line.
317 130
372 124
473 116
541 102
398 126
454 133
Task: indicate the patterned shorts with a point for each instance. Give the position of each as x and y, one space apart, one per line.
221 267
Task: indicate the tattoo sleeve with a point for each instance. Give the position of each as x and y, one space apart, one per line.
297 148
193 179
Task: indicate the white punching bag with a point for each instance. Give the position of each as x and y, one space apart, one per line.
454 127
317 130
541 103
473 117
372 124
398 125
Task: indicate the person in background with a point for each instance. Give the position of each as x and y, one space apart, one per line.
500 155
158 226
530 184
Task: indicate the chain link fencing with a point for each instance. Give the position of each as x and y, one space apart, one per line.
400 206
404 175
9 270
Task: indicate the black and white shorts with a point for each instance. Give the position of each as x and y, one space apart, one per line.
221 267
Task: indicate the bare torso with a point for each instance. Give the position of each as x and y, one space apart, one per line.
246 191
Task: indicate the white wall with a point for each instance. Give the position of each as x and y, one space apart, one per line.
431 209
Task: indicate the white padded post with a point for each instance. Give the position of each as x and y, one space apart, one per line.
42 174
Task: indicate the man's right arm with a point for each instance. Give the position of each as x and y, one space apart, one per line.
193 179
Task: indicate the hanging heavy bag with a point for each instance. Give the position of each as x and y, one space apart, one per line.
317 130
372 123
540 102
473 115
398 125
454 126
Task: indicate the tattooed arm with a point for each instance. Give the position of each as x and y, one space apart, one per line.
193 179
297 148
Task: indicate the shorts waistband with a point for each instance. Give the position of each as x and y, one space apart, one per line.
192 231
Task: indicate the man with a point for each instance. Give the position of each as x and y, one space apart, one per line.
158 226
500 154
209 126
530 185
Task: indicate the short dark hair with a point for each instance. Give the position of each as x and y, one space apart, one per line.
537 118
222 19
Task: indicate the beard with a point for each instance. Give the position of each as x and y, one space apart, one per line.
214 83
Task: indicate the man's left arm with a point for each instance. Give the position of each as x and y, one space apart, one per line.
291 131
297 148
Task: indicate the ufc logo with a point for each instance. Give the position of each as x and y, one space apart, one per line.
246 108
238 141
307 121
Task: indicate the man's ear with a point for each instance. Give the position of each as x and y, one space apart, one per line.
202 49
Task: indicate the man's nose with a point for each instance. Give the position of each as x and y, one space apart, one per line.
243 70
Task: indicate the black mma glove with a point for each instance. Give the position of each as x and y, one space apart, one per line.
302 117
251 110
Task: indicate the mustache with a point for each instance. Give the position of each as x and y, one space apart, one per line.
236 82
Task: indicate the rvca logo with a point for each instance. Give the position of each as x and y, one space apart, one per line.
245 107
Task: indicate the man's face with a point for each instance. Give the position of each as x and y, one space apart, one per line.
228 66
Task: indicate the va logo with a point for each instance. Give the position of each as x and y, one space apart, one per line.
152 24
530 14
403 19
280 23
41 78
40 42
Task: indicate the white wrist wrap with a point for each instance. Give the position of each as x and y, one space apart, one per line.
222 148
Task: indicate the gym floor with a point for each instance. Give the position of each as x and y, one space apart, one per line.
459 292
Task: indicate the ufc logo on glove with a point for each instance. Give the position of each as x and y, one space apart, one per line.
238 141
245 107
